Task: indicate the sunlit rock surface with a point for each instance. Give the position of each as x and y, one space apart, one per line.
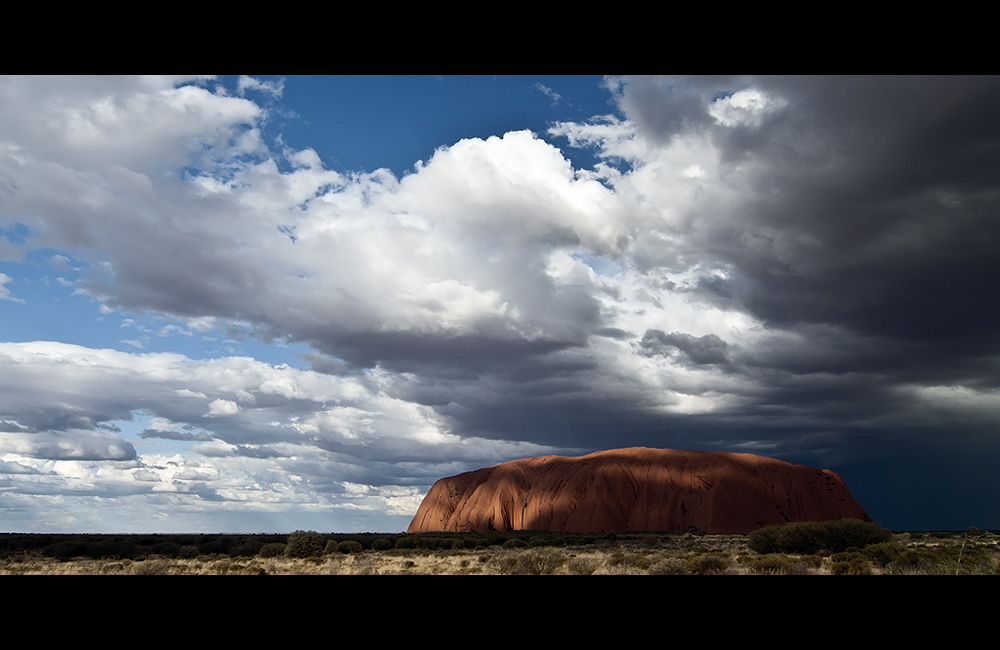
636 489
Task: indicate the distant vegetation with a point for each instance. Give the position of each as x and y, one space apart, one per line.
808 537
846 547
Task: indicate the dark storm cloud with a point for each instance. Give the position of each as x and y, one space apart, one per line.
857 220
665 107
708 349
466 355
872 202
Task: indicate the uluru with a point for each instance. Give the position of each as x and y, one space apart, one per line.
636 489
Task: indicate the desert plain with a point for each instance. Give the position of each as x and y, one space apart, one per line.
521 553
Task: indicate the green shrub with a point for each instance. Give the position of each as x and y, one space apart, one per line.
855 567
441 543
630 560
883 553
66 550
708 564
848 556
349 546
189 552
515 543
245 548
913 561
165 548
151 568
810 537
774 564
531 562
406 541
581 566
850 563
504 565
669 567
539 562
304 543
272 549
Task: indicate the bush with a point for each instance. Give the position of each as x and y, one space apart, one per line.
188 552
437 543
582 566
406 541
539 562
165 548
708 564
246 548
627 560
303 543
669 567
504 565
850 564
532 562
272 549
810 537
773 564
349 546
66 550
883 553
151 568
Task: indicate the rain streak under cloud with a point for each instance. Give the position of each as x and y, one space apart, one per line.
211 323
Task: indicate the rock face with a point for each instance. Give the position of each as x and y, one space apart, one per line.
636 489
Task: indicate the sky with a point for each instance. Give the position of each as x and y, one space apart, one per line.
262 304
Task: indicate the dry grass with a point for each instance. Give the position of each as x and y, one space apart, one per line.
669 555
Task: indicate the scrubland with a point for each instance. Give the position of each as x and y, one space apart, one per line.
833 548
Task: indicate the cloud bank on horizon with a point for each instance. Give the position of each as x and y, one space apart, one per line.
800 267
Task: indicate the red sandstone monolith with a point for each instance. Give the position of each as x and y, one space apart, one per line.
636 489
